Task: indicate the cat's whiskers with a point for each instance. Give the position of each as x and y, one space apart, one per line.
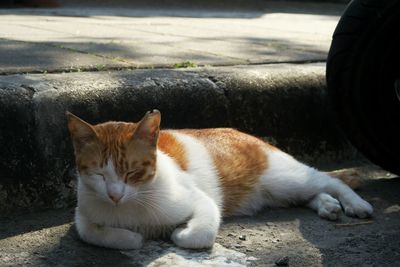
129 197
145 206
148 206
149 198
153 201
144 192
94 195
153 191
145 201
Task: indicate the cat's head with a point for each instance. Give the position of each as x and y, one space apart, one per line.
115 159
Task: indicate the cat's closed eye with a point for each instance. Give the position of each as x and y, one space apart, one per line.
135 175
99 175
129 173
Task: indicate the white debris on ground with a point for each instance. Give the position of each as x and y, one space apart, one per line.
166 254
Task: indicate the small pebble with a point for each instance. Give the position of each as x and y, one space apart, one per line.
242 237
284 261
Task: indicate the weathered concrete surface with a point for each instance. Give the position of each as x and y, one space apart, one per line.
266 100
93 36
49 238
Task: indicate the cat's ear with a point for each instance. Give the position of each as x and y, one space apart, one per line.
81 131
149 127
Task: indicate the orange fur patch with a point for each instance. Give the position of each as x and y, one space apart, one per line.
240 160
113 137
168 144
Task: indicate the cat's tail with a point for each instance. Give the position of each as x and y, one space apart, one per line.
348 176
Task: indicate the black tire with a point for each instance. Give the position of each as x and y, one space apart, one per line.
362 68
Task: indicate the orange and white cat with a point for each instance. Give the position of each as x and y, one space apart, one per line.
138 182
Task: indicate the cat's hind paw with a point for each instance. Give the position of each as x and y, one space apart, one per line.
194 238
357 207
327 206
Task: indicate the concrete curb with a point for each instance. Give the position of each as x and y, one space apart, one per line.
285 102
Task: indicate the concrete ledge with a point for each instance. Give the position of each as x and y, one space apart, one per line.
284 102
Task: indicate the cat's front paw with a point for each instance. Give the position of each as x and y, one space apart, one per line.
126 239
328 207
194 238
357 207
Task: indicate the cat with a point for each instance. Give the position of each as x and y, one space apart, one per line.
138 182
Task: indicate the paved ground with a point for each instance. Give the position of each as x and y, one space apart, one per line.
94 38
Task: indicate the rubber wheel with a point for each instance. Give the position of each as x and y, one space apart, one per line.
362 69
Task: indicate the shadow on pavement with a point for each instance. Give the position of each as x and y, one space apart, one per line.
19 224
71 251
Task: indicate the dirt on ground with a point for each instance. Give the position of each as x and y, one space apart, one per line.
294 237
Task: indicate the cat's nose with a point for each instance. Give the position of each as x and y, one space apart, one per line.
115 190
115 197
